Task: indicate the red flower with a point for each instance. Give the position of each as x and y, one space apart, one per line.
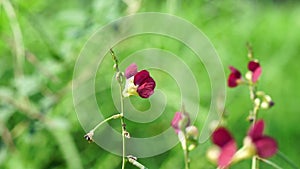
265 145
223 139
255 68
255 143
145 83
140 83
234 77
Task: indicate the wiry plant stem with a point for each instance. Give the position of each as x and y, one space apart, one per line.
119 77
269 162
106 120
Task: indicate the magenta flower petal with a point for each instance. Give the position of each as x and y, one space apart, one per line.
140 77
234 77
232 80
227 152
253 65
142 83
221 137
265 146
236 72
145 83
131 70
225 141
256 131
256 74
146 89
256 70
177 117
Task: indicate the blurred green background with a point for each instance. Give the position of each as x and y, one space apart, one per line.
40 42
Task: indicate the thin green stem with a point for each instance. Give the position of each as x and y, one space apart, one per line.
186 158
253 96
123 127
269 162
254 164
119 77
185 150
106 120
287 160
250 51
253 116
184 143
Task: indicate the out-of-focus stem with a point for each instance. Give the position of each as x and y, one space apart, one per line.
18 38
23 108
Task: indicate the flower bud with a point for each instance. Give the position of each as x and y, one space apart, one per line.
248 76
235 77
192 132
257 102
260 93
180 121
126 134
184 122
192 145
119 77
192 135
89 136
213 154
115 67
255 69
267 102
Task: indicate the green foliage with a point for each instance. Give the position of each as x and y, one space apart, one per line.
38 124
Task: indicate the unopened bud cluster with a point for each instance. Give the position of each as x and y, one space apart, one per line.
187 134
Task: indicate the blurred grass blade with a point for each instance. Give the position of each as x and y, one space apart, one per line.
18 38
68 148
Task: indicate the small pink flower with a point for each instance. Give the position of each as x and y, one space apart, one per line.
140 83
235 77
255 68
265 146
223 139
180 121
